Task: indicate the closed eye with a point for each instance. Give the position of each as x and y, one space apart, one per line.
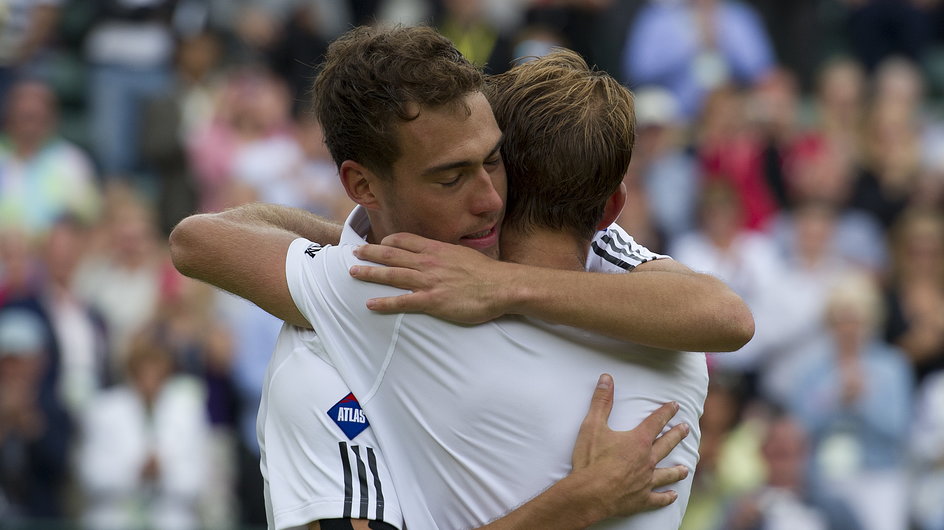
452 182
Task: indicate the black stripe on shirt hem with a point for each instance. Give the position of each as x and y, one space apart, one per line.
348 480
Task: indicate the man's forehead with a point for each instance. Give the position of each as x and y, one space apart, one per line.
444 134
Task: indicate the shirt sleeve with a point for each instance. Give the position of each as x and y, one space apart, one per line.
614 250
336 306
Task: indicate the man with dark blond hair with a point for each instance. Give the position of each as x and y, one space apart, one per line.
443 179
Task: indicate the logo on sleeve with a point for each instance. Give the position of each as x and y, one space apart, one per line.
347 414
313 249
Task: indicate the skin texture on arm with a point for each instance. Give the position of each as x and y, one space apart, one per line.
243 251
614 474
662 303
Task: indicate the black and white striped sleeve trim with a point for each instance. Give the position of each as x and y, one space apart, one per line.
618 248
368 483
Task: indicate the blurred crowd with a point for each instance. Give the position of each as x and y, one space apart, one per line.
794 149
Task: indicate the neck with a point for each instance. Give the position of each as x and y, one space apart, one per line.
544 248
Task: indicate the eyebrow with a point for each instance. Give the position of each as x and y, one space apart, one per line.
461 163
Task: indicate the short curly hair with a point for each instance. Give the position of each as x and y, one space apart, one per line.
374 78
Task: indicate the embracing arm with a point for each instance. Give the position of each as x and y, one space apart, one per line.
614 474
662 303
243 251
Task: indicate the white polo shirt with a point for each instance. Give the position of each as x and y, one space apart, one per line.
475 420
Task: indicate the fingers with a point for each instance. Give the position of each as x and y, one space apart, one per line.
661 499
407 241
653 425
665 476
665 443
602 401
399 277
386 255
405 303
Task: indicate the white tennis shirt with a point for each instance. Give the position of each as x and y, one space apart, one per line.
475 420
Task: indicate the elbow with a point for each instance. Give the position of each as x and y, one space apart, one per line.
184 245
739 323
744 328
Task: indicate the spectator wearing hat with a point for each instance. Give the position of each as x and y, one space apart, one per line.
34 430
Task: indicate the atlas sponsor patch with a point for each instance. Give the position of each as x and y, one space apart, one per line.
348 416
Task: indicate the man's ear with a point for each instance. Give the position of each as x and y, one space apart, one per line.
360 184
614 207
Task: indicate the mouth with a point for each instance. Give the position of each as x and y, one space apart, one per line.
482 240
480 235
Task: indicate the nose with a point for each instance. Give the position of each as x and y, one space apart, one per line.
490 192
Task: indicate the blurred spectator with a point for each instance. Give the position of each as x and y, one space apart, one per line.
26 27
320 187
525 42
202 348
730 149
79 331
927 448
47 455
840 104
34 430
821 170
42 176
694 46
813 268
892 162
174 116
465 23
667 171
856 402
122 275
143 456
248 140
773 112
129 49
297 52
900 81
746 260
727 464
916 290
900 84
595 29
785 500
19 267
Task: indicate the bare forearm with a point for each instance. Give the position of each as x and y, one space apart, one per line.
662 303
241 251
300 222
564 506
664 309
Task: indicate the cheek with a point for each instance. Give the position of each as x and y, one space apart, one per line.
438 226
